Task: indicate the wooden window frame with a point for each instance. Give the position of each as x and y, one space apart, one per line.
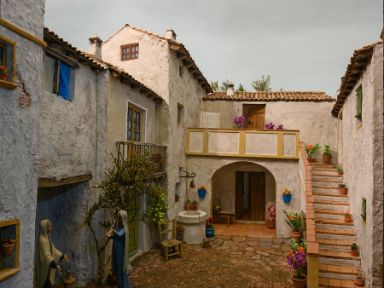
6 273
9 83
130 54
132 130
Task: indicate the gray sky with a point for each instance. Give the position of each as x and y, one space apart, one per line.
302 44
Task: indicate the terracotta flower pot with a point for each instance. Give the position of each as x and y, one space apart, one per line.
299 283
327 158
297 236
355 253
359 282
271 224
343 190
3 76
311 160
340 173
348 218
7 249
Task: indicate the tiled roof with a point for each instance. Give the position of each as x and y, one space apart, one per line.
315 96
53 39
359 61
182 52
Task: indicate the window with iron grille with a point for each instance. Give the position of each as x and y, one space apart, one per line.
129 52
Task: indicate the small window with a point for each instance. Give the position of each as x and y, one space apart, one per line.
177 191
59 77
134 124
359 103
180 112
7 62
129 52
181 71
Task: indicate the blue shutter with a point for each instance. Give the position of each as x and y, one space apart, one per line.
65 81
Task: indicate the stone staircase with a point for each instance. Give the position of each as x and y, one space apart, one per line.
337 267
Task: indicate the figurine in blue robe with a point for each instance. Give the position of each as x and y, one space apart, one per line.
120 253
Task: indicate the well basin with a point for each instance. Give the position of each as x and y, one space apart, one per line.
194 224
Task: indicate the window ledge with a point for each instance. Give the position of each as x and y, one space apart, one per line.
7 273
8 84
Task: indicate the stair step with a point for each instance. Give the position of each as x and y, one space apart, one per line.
336 248
333 227
331 202
330 212
318 189
324 173
339 261
321 178
325 184
343 276
338 255
331 194
334 231
332 221
332 198
329 216
338 242
335 283
331 206
335 237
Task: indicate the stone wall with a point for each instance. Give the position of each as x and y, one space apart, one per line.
18 133
362 161
313 119
285 173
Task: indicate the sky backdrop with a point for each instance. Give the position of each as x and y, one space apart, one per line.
301 44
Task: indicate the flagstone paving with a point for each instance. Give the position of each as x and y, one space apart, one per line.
230 261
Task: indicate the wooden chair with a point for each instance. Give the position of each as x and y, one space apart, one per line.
169 247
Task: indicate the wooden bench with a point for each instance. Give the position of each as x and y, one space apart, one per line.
226 214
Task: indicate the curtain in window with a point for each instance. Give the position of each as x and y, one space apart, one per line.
65 81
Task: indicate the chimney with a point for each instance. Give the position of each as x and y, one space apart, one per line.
170 34
230 89
95 46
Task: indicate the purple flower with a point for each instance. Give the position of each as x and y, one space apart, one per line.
280 127
269 126
238 121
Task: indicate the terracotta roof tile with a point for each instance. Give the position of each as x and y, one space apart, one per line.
315 96
359 61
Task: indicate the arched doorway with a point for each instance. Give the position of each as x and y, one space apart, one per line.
243 190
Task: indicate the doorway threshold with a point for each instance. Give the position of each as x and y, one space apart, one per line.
249 230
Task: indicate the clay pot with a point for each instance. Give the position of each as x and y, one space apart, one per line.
359 282
348 218
355 253
7 249
3 76
271 224
311 160
327 158
187 207
297 236
343 190
340 173
299 283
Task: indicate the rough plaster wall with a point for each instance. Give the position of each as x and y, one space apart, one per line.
313 119
151 68
224 183
285 174
18 134
362 164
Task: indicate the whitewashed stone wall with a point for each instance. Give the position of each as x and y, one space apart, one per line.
362 161
18 133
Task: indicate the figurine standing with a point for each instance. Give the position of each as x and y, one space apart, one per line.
120 252
47 258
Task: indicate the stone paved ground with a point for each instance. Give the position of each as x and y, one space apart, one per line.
231 261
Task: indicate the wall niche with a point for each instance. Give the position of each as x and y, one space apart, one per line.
9 248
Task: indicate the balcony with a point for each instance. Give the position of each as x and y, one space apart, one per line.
127 150
281 144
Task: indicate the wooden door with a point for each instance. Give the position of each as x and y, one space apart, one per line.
239 194
257 196
255 116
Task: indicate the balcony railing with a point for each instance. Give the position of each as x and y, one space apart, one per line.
127 150
281 144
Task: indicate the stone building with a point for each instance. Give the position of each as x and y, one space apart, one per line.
359 112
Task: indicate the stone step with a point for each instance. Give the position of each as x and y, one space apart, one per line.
323 167
337 275
322 211
338 242
334 231
336 248
333 227
338 255
324 173
332 202
331 206
339 261
332 221
332 198
325 184
318 189
320 236
329 193
340 269
335 283
329 216
326 178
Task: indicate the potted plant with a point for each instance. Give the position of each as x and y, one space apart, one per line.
7 245
180 232
311 150
355 250
202 191
343 189
359 280
347 217
295 220
287 196
187 204
238 121
209 229
327 155
3 72
339 170
297 259
269 126
194 205
271 215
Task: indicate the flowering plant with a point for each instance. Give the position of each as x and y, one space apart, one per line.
3 69
287 192
8 241
297 258
311 149
238 121
271 211
202 187
295 220
269 126
280 127
209 223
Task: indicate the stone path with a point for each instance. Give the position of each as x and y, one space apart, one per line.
230 261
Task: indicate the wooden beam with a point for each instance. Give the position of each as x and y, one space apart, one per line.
52 182
22 32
